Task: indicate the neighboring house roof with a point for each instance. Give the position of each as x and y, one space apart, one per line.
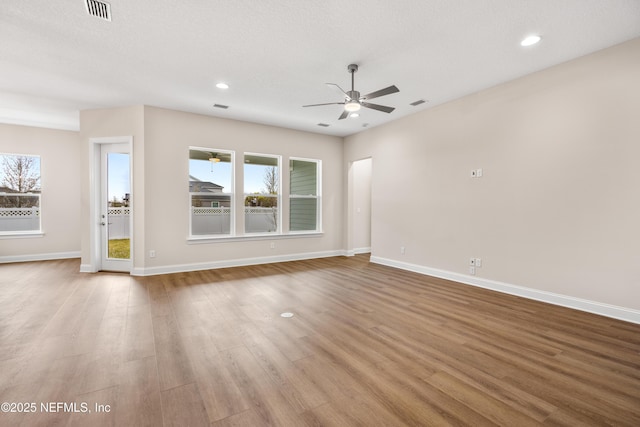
197 186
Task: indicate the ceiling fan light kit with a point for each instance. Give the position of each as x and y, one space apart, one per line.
354 102
352 106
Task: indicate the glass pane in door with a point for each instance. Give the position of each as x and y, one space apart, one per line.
118 206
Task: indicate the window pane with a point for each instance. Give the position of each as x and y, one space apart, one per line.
303 177
303 214
19 193
210 191
304 195
261 190
118 206
261 215
208 219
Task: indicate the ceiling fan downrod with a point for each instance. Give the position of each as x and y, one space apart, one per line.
353 94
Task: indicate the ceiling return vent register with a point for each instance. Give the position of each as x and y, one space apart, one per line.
99 9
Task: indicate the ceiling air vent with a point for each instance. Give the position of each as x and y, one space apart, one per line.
224 107
99 9
418 102
324 125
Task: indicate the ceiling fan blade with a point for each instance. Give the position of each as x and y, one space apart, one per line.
199 155
383 108
382 92
333 85
329 103
344 115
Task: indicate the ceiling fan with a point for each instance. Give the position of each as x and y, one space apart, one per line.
209 155
353 101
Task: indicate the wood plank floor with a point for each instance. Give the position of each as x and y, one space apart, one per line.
368 346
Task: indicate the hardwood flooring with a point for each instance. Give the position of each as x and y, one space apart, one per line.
368 346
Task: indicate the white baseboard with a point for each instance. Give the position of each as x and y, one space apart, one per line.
87 268
39 257
615 312
356 251
152 271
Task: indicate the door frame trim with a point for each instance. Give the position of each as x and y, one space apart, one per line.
95 144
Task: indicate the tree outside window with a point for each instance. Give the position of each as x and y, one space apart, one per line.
19 193
262 193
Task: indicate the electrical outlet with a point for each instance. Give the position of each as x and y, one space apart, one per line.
472 271
472 261
478 173
273 245
402 250
152 254
478 262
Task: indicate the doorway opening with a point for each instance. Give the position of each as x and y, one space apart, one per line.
361 173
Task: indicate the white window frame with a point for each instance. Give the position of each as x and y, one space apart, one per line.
318 195
33 232
277 196
232 202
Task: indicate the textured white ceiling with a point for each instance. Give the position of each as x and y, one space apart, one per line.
55 59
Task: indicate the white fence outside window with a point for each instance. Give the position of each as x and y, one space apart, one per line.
204 220
19 212
20 219
119 222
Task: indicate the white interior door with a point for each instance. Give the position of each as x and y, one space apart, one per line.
116 210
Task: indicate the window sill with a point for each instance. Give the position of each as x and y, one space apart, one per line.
21 235
252 237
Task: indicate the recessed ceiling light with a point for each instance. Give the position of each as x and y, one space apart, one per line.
530 40
354 115
222 85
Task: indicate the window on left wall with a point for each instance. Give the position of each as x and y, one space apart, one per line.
211 192
20 194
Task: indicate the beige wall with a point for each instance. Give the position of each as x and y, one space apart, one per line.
60 179
161 139
168 135
558 205
105 123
